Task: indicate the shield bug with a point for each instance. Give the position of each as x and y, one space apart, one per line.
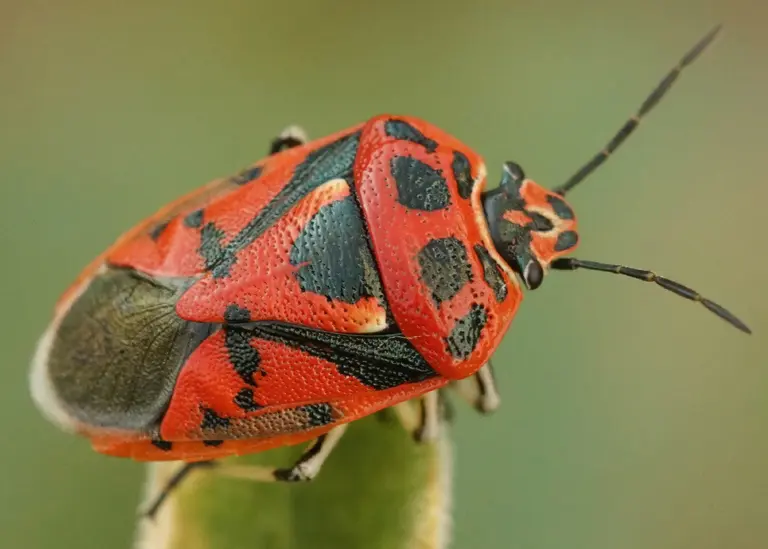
328 281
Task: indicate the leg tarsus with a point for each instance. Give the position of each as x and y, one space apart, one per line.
305 469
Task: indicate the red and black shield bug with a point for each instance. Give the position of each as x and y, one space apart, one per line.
326 282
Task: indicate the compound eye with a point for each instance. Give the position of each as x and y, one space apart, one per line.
533 275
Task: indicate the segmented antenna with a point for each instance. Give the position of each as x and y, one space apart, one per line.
629 126
571 264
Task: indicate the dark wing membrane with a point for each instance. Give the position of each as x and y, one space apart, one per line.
115 357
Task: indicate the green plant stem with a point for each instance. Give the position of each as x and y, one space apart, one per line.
379 489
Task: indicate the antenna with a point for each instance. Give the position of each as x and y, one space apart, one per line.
629 126
571 264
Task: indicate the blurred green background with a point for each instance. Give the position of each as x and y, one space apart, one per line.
632 419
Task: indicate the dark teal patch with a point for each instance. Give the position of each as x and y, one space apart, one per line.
212 421
462 172
566 241
247 175
332 161
194 220
155 233
244 400
333 256
400 129
419 185
466 332
562 209
243 356
445 268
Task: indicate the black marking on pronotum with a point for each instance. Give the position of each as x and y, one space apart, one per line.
466 332
562 209
566 241
245 401
243 356
234 313
214 442
194 220
379 361
164 445
419 185
318 414
332 161
462 172
400 129
492 273
210 244
158 230
333 257
212 420
445 268
247 175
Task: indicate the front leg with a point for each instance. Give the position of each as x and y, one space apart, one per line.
305 469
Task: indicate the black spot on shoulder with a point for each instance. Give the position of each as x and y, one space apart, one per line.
244 357
194 220
157 231
164 445
318 414
399 129
462 172
235 313
213 443
332 161
378 361
566 241
247 175
419 185
466 332
445 268
210 244
562 209
333 255
492 273
245 401
211 420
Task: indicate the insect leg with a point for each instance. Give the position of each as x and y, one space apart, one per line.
306 468
290 137
479 390
429 426
182 473
423 417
